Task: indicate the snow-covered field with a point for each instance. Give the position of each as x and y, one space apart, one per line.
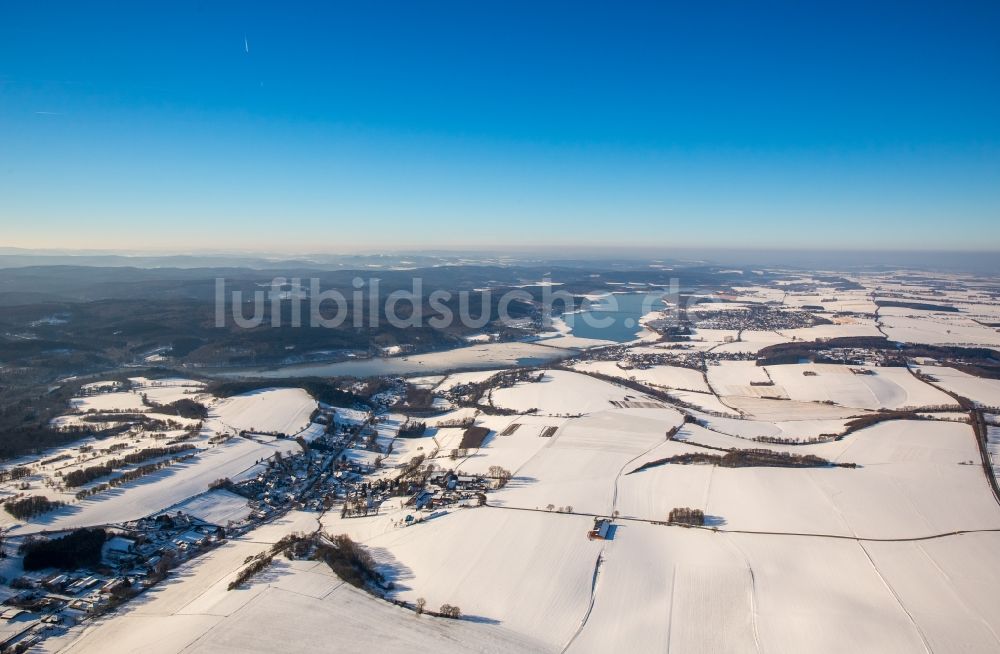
913 480
273 410
940 329
742 378
513 450
217 507
882 388
662 376
563 393
121 401
752 341
581 464
982 391
704 401
293 607
531 571
841 330
461 378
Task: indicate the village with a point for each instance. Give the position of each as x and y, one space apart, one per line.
113 563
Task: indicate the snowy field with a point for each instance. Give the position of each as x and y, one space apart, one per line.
940 329
217 507
461 378
673 377
271 410
194 612
881 388
531 571
982 391
581 464
913 480
564 393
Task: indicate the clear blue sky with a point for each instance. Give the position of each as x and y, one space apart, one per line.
211 125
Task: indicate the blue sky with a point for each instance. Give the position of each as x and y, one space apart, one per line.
421 124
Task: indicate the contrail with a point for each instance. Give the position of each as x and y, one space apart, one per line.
246 44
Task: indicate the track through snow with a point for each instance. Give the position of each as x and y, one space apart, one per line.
895 595
751 591
604 544
593 599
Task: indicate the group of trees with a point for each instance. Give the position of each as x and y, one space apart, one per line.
130 475
473 437
29 507
786 440
412 467
26 411
84 475
75 550
688 458
686 516
456 422
15 473
760 457
349 560
561 509
745 459
258 564
412 429
446 610
371 442
502 475
449 611
184 407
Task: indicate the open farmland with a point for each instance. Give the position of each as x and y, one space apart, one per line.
865 387
563 393
736 490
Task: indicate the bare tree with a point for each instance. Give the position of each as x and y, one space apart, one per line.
449 611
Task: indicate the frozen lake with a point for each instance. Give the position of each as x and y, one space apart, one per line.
614 318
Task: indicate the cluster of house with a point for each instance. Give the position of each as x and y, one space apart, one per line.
302 482
450 489
855 356
366 497
138 553
175 535
132 559
308 480
677 354
101 388
768 316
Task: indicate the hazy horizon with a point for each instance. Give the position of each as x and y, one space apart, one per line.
979 261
